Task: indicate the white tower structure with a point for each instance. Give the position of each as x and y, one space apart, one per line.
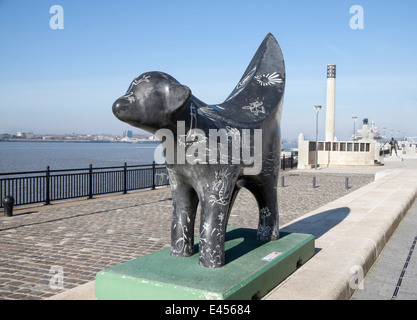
330 101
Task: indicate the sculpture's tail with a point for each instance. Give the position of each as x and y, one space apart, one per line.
261 88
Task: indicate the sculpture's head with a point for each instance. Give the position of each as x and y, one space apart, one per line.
151 100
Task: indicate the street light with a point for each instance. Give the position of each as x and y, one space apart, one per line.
317 109
354 127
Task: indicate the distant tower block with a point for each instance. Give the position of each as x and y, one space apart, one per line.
330 101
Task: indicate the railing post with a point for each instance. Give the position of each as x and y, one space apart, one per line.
283 162
47 186
292 160
153 175
125 178
90 182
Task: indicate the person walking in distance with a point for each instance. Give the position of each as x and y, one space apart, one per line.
393 143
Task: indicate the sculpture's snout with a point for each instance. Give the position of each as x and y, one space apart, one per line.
121 107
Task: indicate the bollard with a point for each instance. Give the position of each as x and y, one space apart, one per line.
282 182
347 183
314 182
8 203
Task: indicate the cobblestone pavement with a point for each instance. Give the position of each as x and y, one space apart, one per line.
394 274
45 250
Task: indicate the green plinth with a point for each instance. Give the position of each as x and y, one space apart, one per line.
252 269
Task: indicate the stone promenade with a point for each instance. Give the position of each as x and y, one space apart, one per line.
46 250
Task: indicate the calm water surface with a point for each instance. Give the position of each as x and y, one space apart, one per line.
36 156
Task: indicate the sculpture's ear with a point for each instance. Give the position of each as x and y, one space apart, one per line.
177 97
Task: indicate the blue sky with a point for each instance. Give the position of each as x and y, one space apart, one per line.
65 80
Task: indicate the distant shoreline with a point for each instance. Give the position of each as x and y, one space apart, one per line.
73 141
92 141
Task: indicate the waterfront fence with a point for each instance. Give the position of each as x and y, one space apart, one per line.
53 185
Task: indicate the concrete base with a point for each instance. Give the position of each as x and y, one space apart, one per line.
252 269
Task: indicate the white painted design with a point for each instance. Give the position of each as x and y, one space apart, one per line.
220 185
129 94
255 107
221 218
266 232
182 244
130 97
268 79
246 78
138 80
265 212
208 254
240 86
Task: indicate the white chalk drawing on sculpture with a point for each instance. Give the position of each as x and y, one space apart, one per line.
255 107
182 244
129 97
129 94
265 212
265 232
135 82
207 253
240 86
268 79
246 78
220 186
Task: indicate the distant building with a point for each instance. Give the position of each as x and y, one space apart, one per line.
127 134
4 136
332 153
25 135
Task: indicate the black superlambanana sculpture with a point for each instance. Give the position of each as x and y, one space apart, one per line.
212 151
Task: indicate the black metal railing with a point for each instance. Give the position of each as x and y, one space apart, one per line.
288 162
52 185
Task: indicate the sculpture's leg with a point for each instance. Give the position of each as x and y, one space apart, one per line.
267 197
182 232
215 198
212 235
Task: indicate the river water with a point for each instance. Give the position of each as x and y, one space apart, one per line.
36 156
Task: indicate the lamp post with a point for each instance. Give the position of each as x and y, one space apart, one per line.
354 127
317 109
